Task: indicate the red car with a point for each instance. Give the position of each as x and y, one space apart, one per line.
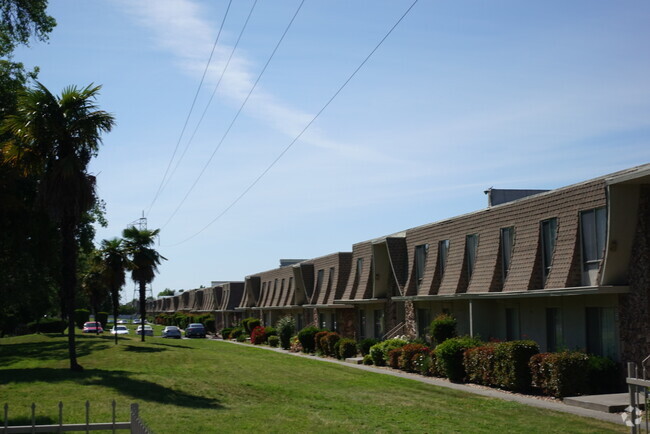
93 327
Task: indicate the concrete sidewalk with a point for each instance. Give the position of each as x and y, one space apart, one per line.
545 403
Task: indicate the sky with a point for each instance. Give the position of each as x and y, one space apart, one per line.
460 96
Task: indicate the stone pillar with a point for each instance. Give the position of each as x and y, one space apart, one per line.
634 307
410 325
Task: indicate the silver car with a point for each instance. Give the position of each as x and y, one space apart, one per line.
148 331
171 332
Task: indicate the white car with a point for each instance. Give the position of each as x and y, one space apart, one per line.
148 331
120 330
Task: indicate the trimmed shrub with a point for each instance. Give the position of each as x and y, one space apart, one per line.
421 363
365 344
330 341
604 375
250 323
102 317
236 333
270 331
379 352
241 338
47 325
435 368
258 335
80 317
367 360
225 332
286 327
479 364
450 356
319 344
442 327
393 358
210 324
274 341
410 353
511 370
347 348
306 338
560 374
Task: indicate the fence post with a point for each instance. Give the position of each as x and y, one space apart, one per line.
135 427
632 389
6 415
60 416
113 405
87 416
33 417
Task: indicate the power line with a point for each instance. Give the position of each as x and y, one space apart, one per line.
205 110
189 114
207 163
284 151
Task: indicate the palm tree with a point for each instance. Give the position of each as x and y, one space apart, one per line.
144 261
116 261
55 138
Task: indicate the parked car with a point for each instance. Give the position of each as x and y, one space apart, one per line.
171 332
120 330
148 331
93 327
195 330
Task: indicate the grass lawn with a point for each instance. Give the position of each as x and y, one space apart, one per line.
204 386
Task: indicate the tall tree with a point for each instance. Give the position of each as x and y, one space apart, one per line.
144 261
54 138
116 261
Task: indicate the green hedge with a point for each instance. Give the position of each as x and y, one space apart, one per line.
560 374
250 323
80 317
501 364
449 355
379 352
347 348
306 338
442 327
364 345
225 332
274 341
286 327
47 325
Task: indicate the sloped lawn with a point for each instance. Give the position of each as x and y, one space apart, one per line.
203 386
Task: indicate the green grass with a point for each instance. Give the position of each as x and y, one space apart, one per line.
203 386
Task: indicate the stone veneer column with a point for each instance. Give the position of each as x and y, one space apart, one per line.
347 327
409 320
634 308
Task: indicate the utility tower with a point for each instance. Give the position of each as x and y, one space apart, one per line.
141 224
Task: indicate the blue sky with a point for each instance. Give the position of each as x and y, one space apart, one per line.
462 96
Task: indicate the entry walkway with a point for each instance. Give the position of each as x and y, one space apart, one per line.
546 403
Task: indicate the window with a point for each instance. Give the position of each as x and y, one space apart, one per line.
507 242
593 224
359 267
282 286
549 233
601 331
443 251
362 324
554 335
299 322
424 320
471 246
290 283
420 260
512 323
334 323
379 323
319 281
322 320
331 277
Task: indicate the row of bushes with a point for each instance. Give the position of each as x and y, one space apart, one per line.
182 320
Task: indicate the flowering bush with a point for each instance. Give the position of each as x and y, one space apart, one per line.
409 353
258 335
295 346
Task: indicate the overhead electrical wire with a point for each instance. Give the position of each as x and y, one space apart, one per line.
189 114
284 151
225 134
205 110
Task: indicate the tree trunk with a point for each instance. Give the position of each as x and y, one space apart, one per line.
69 284
115 296
143 310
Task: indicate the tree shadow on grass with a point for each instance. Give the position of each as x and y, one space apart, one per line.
120 381
134 349
172 345
52 350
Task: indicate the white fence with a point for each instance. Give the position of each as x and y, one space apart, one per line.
134 425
